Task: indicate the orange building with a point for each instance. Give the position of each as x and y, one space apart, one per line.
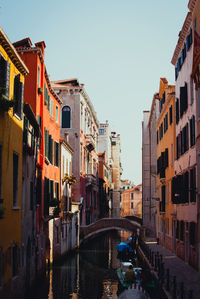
166 138
46 107
131 202
104 184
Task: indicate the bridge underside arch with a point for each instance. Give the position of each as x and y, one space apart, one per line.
105 229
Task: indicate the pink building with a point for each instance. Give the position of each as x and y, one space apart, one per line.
80 125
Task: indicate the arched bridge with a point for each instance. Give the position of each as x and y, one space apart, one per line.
106 224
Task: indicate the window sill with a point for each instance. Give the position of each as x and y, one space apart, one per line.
16 208
17 116
15 277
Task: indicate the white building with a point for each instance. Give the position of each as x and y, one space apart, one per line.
117 172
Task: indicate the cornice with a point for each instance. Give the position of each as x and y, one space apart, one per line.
75 90
192 4
50 87
155 97
12 53
182 36
34 49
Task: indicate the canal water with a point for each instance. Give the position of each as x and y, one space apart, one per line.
89 273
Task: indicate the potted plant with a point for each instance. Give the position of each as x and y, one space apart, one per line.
56 211
5 103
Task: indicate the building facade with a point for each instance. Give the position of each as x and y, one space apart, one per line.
79 122
194 7
166 141
131 202
184 195
12 76
116 176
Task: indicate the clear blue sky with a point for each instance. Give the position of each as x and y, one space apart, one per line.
118 49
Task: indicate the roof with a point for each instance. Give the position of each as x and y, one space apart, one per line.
12 53
50 87
25 42
191 4
182 36
67 82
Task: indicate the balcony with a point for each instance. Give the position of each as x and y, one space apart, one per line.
90 142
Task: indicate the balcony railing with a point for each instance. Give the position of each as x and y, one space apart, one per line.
90 142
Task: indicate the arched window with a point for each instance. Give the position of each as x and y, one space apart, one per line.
66 117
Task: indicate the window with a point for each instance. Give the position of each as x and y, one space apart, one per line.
31 195
38 76
198 102
48 146
101 131
0 170
170 115
192 131
39 120
162 202
132 196
51 189
56 153
51 107
172 155
15 260
192 233
166 123
131 205
1 267
191 91
113 143
18 96
15 179
4 77
183 99
193 184
177 111
66 117
182 230
46 97
195 24
189 40
57 190
56 113
177 229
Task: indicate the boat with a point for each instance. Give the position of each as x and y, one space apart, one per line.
134 291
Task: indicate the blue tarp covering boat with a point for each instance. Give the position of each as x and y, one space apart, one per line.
124 247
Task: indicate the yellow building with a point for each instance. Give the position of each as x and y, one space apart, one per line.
166 140
12 73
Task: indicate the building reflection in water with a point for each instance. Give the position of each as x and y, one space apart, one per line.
90 273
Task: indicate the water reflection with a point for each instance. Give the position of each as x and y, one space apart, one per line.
89 273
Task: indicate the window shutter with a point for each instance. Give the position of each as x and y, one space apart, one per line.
177 111
21 98
182 89
4 76
17 107
47 144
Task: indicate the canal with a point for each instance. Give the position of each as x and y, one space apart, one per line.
89 273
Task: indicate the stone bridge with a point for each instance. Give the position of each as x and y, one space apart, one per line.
106 224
